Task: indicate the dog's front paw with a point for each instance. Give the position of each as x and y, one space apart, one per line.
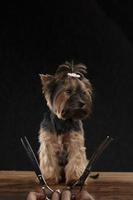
71 182
51 175
52 181
72 176
73 171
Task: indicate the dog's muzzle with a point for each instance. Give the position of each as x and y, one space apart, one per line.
76 113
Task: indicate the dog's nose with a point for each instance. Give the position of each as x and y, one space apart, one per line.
81 104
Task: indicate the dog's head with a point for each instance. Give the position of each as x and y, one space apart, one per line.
68 93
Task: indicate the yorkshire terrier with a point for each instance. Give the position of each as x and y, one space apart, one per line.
62 151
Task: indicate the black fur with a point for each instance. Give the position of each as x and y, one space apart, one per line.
52 124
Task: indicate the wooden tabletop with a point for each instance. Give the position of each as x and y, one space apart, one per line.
15 185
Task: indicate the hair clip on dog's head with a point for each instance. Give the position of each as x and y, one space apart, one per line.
74 75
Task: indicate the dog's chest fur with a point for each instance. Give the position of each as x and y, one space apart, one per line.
58 126
61 150
60 130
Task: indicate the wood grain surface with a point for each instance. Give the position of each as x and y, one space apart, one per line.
15 185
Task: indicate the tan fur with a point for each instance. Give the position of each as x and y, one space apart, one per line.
59 104
76 156
47 156
51 145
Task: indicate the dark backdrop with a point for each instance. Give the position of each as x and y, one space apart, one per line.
35 39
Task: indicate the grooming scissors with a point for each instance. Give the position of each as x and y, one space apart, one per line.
44 186
80 182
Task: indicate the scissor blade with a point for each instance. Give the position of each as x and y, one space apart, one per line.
33 160
92 161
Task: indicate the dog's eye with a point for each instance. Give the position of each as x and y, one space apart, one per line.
68 91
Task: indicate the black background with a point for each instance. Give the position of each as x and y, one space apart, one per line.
36 38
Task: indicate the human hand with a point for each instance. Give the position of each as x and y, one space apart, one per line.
64 195
36 196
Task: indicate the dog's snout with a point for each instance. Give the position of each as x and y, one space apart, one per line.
81 104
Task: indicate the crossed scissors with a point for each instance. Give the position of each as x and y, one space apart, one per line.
80 182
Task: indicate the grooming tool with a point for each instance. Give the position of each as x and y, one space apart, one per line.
44 186
80 182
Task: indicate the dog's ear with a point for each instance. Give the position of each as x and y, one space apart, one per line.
45 80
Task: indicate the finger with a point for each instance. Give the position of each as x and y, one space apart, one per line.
31 196
66 195
35 196
56 195
41 196
84 195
